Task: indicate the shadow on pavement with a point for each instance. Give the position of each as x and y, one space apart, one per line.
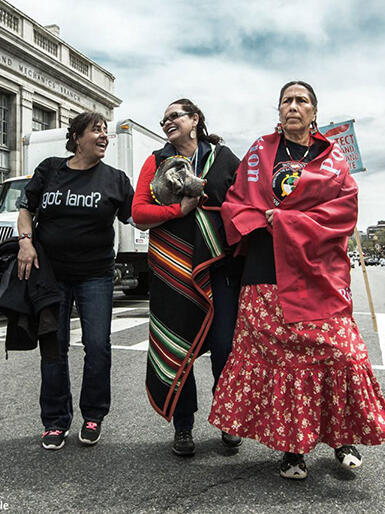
132 476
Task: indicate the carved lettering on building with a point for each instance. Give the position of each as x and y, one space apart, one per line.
36 76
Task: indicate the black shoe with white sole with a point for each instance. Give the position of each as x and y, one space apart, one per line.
348 457
293 466
90 432
53 439
231 441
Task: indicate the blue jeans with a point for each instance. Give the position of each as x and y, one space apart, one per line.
219 341
93 300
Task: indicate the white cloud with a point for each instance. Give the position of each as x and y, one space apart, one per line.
371 198
233 57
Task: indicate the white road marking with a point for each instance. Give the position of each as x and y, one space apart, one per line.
366 313
118 310
143 346
115 311
122 324
117 325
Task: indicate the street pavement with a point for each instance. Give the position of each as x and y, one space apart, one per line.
132 469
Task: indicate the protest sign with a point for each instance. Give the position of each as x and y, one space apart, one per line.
346 138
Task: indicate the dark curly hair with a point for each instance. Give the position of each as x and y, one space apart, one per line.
202 132
79 125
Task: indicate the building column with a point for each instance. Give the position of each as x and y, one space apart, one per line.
25 113
26 98
64 115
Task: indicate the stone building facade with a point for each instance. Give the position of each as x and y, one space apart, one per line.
44 83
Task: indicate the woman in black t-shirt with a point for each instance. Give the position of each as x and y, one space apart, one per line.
77 200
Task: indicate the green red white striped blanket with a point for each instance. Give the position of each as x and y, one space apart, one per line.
181 252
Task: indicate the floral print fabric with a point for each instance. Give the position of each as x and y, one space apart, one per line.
291 386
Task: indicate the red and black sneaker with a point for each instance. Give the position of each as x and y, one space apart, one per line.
53 439
90 432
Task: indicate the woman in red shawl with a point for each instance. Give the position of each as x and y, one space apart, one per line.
299 372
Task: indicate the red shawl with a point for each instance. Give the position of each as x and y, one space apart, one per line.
310 227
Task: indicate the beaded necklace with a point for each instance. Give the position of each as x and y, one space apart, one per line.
304 155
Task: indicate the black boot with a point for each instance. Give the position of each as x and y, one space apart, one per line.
183 443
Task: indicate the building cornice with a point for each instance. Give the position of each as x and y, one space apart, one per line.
53 67
52 36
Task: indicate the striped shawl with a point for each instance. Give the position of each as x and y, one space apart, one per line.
181 252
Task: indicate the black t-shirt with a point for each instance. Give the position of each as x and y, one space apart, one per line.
77 209
259 262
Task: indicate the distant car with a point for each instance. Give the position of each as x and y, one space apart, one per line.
352 263
371 261
382 261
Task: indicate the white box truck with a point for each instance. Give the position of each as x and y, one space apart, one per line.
129 146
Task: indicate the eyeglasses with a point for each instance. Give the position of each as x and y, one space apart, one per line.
173 116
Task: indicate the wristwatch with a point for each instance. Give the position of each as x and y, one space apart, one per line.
25 235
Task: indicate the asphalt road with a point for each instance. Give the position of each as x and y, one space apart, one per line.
376 277
132 470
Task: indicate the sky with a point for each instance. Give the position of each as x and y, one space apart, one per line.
231 57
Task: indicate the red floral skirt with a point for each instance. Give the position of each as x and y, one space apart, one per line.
293 385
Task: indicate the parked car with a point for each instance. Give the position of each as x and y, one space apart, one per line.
371 261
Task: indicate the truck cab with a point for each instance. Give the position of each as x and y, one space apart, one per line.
11 194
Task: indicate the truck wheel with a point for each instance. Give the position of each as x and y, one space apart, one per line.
130 292
142 289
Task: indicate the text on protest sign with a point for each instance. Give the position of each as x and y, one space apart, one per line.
346 138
